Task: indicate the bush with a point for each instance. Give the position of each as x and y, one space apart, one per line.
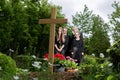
24 61
114 52
94 68
8 67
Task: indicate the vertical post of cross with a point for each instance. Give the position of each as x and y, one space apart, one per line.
52 40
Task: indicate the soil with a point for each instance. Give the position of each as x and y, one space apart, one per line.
57 75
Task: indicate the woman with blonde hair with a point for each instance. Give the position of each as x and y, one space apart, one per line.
58 41
77 48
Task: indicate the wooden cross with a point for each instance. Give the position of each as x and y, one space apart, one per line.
52 21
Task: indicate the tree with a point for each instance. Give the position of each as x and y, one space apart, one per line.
19 25
94 29
99 41
115 21
5 24
114 50
83 20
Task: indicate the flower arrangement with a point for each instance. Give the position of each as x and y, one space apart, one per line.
57 57
69 62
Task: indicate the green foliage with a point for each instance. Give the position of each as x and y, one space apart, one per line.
89 65
96 69
99 40
68 63
115 48
89 59
8 67
31 63
83 20
39 65
5 24
110 77
24 61
115 21
114 52
95 31
19 26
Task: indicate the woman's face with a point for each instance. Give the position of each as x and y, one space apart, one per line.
77 35
65 30
75 29
60 30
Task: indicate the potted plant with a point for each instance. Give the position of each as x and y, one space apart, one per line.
57 65
69 64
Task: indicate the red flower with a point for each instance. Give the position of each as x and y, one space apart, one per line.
58 56
46 55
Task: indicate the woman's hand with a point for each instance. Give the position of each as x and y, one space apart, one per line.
82 53
72 53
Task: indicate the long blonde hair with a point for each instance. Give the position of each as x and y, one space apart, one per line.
59 36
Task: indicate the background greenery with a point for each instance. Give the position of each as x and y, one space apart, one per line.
20 29
21 32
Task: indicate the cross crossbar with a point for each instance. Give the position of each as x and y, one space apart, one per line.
50 21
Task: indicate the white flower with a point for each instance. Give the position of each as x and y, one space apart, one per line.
45 59
15 77
11 50
83 68
93 54
0 68
76 70
40 62
50 64
35 78
34 56
110 64
36 64
38 67
101 55
25 70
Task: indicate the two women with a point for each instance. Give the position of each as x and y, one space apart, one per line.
61 40
62 43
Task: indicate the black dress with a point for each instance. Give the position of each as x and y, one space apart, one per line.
59 44
77 49
65 49
71 39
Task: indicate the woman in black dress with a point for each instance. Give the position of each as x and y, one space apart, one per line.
58 41
65 40
77 48
61 41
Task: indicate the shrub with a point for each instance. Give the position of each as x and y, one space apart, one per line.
8 66
24 61
114 52
97 68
